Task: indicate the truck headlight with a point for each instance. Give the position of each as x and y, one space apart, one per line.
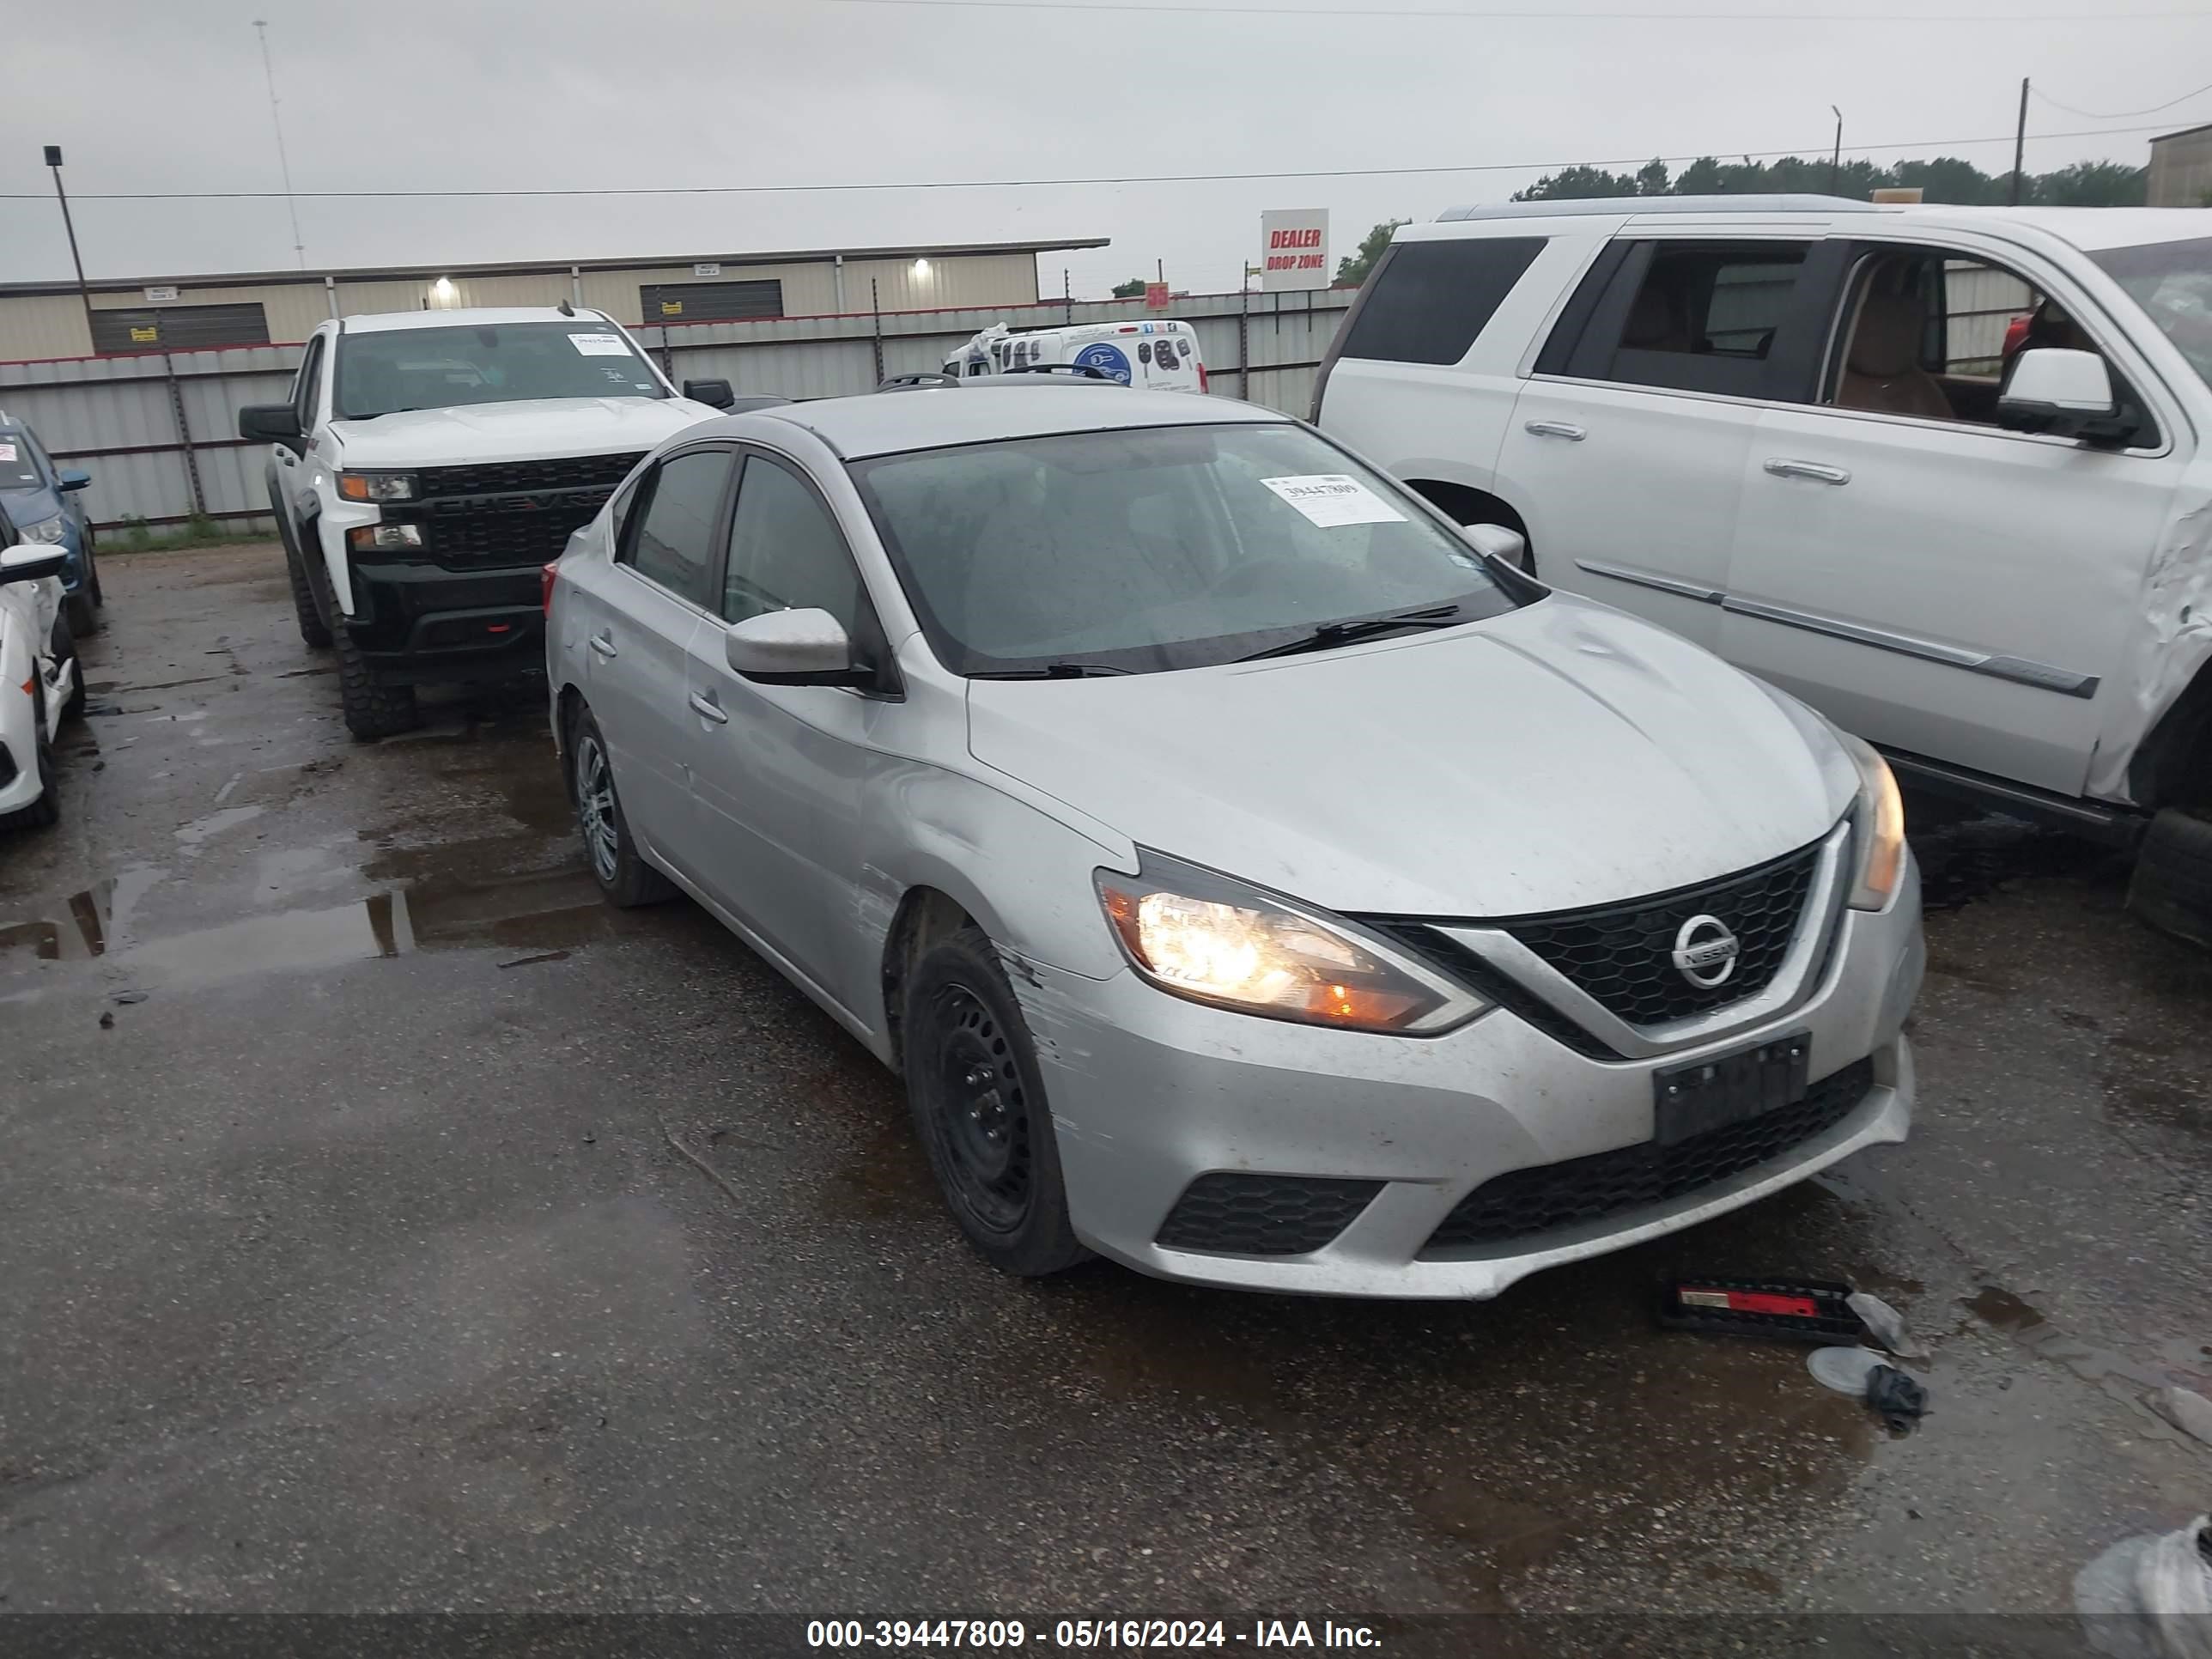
1878 838
377 486
1207 937
45 530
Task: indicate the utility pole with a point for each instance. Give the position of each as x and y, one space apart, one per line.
292 207
1066 294
1836 160
2020 143
84 292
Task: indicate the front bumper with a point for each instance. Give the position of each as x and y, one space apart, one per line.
420 622
1150 1092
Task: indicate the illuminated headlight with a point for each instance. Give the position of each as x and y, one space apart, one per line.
1214 940
46 530
377 486
1878 840
365 537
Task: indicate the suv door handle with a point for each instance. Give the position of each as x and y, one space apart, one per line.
1567 429
1813 470
602 644
707 709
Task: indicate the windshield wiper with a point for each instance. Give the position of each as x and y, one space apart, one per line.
1051 671
379 414
1360 628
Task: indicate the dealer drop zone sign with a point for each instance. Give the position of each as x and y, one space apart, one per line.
1293 250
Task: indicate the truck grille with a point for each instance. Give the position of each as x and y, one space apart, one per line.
1527 1202
498 478
510 512
459 532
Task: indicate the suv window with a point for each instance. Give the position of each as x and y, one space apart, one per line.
673 542
1697 316
786 551
1431 300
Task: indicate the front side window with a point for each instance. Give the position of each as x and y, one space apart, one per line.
2173 283
786 551
672 537
386 371
1158 548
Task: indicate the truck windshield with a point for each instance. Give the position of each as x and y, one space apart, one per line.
1154 547
2173 282
383 371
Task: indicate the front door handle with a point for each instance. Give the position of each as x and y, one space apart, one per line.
707 709
602 644
1567 429
1813 472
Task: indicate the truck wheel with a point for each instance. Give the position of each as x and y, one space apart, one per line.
46 810
2173 885
978 1101
625 878
313 631
372 710
65 650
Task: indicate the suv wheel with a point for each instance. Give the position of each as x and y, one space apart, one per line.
372 710
2173 885
626 879
978 1101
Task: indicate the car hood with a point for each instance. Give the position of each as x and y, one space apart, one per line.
1560 756
539 428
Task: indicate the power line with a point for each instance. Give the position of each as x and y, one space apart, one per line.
1527 17
2119 115
1038 183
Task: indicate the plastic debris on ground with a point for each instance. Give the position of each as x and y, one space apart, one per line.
1843 1369
2150 1597
1885 1325
1896 1399
2186 1409
1796 1311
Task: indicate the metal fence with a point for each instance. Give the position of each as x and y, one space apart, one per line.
158 431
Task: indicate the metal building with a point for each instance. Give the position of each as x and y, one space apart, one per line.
42 320
2181 169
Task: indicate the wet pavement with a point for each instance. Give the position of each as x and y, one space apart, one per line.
389 1225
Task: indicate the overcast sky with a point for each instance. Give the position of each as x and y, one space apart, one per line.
163 95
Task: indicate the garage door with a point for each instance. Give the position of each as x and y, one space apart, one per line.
710 302
178 328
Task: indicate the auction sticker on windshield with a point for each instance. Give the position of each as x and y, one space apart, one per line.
1331 499
600 346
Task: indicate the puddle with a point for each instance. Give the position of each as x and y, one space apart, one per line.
194 836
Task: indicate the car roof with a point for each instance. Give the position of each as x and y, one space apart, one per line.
377 322
2086 228
933 417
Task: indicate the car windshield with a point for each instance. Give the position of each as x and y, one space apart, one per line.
17 472
2173 282
1158 547
382 371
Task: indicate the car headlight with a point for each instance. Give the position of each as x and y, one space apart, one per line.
377 486
46 530
1214 940
1878 840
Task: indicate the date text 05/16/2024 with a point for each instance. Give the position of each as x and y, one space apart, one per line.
1013 1635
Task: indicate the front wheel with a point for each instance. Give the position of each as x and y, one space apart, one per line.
2173 885
314 632
373 709
978 1108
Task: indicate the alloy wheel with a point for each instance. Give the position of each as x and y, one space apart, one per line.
595 807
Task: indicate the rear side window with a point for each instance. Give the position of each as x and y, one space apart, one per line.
670 536
1431 300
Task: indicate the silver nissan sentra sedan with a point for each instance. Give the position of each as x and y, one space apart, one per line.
1256 879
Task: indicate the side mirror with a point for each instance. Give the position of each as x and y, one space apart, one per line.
793 648
1508 547
270 424
74 479
31 562
2068 394
715 394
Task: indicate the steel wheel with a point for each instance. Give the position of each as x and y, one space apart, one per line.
978 1113
595 806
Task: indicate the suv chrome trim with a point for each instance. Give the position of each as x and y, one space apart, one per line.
2021 670
1792 986
1620 572
1643 206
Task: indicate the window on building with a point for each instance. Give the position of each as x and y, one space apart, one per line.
178 328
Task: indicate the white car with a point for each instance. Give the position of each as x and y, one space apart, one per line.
1942 473
39 679
428 463
1159 355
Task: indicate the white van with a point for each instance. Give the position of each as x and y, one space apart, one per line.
1156 357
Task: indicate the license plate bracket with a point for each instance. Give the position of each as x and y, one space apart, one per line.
1711 1094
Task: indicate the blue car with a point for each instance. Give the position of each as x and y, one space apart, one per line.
43 502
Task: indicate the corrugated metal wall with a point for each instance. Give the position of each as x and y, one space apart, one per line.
2181 170
160 434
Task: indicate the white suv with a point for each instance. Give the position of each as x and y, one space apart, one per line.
1945 473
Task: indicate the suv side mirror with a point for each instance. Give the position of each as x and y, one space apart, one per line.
793 647
31 562
270 423
73 479
2065 393
1508 547
715 394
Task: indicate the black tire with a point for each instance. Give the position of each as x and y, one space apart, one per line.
314 632
46 811
980 1111
2173 885
83 610
92 574
609 847
372 710
65 650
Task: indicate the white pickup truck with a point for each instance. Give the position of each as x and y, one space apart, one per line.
430 464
